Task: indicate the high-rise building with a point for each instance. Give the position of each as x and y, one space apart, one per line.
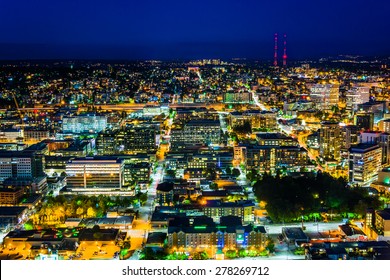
324 96
378 108
197 132
106 143
140 138
95 174
355 96
330 140
349 136
380 138
364 163
24 164
384 125
364 120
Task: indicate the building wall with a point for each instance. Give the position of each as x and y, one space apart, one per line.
95 173
364 165
330 140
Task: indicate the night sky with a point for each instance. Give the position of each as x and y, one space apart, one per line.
186 29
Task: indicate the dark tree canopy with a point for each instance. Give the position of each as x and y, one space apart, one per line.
289 198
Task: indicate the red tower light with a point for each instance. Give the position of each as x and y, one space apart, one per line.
276 50
285 51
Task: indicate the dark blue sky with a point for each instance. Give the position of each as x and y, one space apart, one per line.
173 29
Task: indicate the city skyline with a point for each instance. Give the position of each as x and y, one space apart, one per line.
190 130
191 30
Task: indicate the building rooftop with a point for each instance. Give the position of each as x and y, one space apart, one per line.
350 230
363 147
385 213
156 238
11 210
165 187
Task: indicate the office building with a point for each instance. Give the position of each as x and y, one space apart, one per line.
89 123
35 136
275 139
11 135
364 163
195 132
10 196
324 96
271 158
330 140
137 139
364 121
164 193
384 125
355 96
95 174
24 164
256 118
377 108
349 136
106 143
379 138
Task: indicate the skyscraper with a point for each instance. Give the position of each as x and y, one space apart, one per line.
330 140
364 163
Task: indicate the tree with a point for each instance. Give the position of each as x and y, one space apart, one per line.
236 172
126 245
143 197
91 212
270 245
214 186
242 253
231 254
95 228
79 211
200 256
245 128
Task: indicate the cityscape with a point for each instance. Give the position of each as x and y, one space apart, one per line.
213 157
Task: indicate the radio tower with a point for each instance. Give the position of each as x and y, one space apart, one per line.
276 50
285 51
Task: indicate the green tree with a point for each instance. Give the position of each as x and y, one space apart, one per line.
270 245
231 254
143 197
200 256
236 172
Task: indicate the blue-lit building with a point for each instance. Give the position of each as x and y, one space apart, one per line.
89 123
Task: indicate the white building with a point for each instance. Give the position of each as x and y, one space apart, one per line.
364 163
84 124
357 95
324 96
95 174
